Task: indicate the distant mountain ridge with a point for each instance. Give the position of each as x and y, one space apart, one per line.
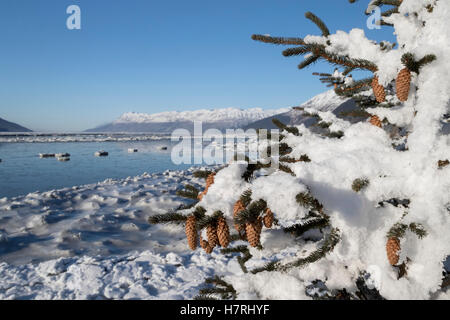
6 126
166 122
229 118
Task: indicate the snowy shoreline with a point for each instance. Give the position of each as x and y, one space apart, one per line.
78 137
94 242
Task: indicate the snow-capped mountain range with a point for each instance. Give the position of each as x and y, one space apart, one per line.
228 118
236 116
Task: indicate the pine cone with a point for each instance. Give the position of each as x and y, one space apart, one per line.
392 250
259 226
253 233
191 232
211 232
378 90
374 120
223 232
403 84
206 246
268 218
209 182
238 207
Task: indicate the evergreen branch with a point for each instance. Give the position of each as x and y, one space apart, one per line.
427 59
205 220
319 23
241 260
324 124
284 149
358 113
202 174
366 293
328 245
359 184
282 126
308 61
224 289
356 87
246 197
299 229
251 168
322 74
418 229
398 230
278 40
170 217
199 213
335 134
190 192
412 64
271 266
295 51
308 201
303 158
209 291
251 213
390 12
269 135
204 297
396 3
286 169
346 61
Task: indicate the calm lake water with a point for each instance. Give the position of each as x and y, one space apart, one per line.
22 171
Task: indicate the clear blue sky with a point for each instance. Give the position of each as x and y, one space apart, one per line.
155 55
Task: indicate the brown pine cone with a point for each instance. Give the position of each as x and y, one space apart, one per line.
209 182
206 246
253 234
268 218
211 232
223 232
403 84
392 250
374 120
191 232
238 207
378 90
259 226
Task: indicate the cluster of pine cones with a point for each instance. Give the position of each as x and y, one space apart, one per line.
218 234
252 231
402 83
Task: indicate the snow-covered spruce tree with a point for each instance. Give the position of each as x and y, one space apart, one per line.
352 208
